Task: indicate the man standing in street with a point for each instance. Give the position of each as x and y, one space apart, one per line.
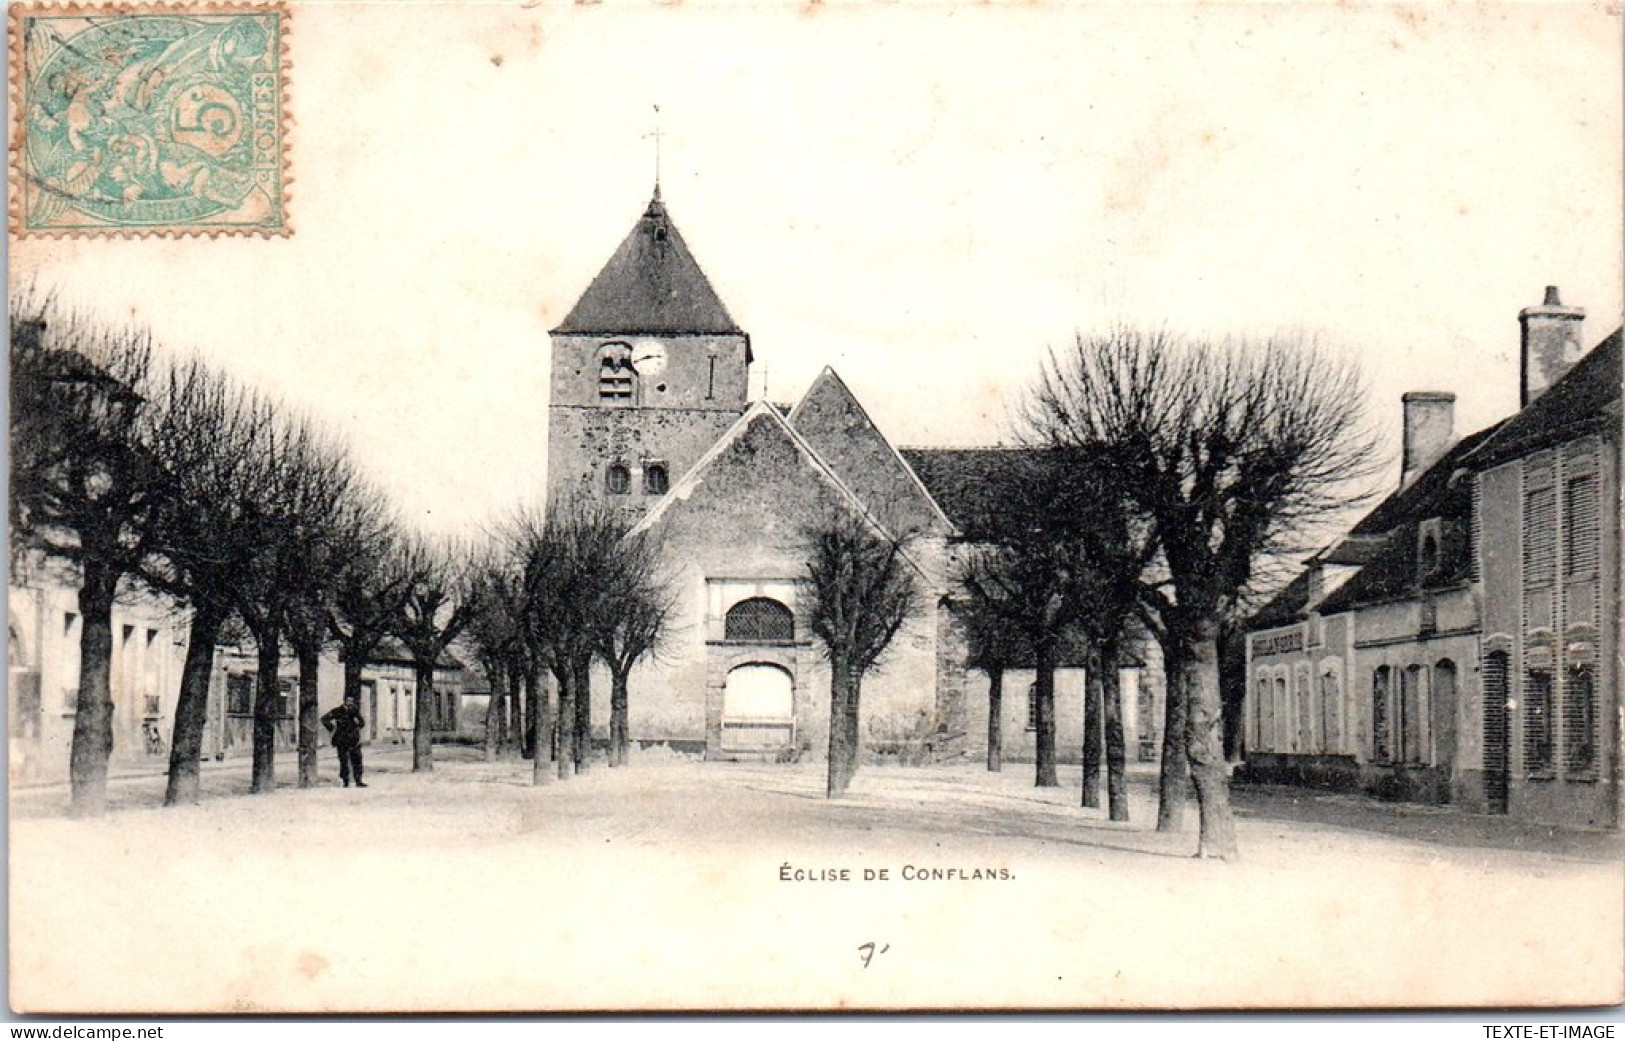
345 724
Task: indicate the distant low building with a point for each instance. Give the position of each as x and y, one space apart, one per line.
149 650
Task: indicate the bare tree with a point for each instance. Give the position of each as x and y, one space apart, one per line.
1025 558
311 478
369 593
636 614
862 588
350 533
496 630
995 645
85 489
437 608
1230 449
560 594
572 558
213 444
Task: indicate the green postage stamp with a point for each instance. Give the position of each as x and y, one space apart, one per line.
142 119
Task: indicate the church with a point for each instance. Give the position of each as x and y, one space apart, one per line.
650 415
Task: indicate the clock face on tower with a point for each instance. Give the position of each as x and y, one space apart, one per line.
649 357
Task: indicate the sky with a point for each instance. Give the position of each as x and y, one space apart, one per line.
928 197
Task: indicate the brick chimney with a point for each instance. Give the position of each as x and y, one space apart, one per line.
1430 430
1551 344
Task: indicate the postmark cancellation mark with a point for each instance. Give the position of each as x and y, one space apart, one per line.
149 119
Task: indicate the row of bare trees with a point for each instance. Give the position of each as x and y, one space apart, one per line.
560 591
1160 475
134 470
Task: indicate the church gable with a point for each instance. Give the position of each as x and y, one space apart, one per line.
745 508
830 419
652 284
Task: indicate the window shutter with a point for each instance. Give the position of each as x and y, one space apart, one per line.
1539 537
1537 723
1580 523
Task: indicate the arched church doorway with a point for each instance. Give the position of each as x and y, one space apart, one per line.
758 709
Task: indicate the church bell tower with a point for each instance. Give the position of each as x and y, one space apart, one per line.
649 369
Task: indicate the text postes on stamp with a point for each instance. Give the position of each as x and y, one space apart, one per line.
140 119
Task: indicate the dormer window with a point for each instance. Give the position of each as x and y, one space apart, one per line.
1428 539
617 379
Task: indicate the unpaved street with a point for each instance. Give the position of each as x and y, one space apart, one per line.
678 884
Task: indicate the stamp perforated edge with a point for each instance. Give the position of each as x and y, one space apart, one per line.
14 86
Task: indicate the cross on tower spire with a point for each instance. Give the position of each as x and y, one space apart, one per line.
657 134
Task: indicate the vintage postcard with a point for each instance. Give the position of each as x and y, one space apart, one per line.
546 507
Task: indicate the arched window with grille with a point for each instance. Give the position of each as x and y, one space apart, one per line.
759 620
618 479
656 479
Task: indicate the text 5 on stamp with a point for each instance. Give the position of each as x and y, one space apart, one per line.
149 119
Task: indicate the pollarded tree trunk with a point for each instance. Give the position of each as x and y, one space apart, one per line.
522 713
423 719
581 736
843 731
541 716
995 718
93 709
1205 746
1044 654
192 707
1093 699
564 722
267 708
1173 781
1111 690
494 710
618 737
354 662
528 684
309 726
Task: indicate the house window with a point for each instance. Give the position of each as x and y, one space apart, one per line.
1282 735
1538 723
1427 563
1580 720
618 479
1381 716
1266 714
1303 693
1580 515
617 379
1412 719
656 479
1496 673
759 620
1331 708
1539 537
239 694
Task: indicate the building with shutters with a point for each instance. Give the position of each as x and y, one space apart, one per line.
1458 644
1546 736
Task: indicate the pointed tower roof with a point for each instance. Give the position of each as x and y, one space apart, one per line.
652 284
